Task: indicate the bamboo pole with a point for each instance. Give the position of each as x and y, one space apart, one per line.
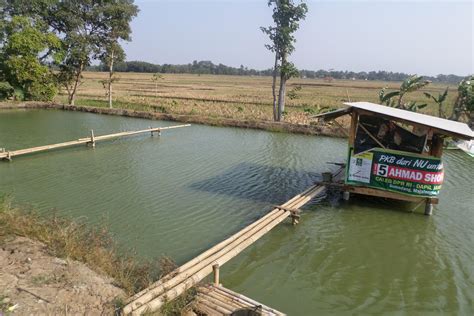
152 299
92 140
210 251
249 241
185 281
223 296
206 310
247 300
215 269
214 307
216 302
207 262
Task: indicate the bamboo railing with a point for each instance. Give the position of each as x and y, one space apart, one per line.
192 272
8 155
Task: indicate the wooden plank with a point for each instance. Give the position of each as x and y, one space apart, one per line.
381 193
353 130
91 139
371 136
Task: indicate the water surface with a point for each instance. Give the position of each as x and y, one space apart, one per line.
183 192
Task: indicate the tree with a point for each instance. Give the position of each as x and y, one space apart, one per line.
91 30
113 53
410 84
286 15
26 47
464 104
439 100
119 14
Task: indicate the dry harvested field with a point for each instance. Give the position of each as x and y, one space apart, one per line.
236 97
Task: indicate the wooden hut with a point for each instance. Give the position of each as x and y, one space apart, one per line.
395 153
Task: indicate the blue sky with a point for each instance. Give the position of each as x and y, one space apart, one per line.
424 37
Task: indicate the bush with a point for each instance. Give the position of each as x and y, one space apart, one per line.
41 91
6 90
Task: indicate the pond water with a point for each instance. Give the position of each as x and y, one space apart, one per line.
183 192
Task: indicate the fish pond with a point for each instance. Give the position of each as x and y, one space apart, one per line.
185 191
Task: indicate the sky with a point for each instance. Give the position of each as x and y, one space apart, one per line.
417 36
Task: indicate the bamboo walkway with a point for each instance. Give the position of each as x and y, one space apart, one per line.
186 276
218 300
8 155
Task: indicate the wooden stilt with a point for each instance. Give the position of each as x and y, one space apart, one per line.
8 157
215 269
428 207
92 142
346 195
294 214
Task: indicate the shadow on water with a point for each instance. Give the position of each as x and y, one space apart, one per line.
268 184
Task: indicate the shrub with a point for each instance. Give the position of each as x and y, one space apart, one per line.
6 90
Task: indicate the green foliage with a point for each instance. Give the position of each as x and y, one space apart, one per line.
286 15
464 105
84 30
414 107
6 90
413 83
318 110
20 61
387 98
210 68
410 84
293 93
439 100
157 76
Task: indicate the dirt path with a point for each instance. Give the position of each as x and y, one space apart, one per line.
32 282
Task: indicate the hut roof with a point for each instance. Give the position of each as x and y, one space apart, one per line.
442 126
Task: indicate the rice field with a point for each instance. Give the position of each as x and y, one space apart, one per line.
236 97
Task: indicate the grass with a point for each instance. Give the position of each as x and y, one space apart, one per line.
94 246
5 305
66 238
236 97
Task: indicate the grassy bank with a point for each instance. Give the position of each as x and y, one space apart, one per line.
133 110
94 246
67 238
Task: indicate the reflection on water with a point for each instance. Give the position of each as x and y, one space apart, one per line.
182 192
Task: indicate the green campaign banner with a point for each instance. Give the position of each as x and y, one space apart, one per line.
396 171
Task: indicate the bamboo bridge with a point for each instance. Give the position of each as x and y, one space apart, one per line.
218 299
8 155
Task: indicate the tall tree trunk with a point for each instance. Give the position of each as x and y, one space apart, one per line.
111 73
275 71
281 97
72 95
282 91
